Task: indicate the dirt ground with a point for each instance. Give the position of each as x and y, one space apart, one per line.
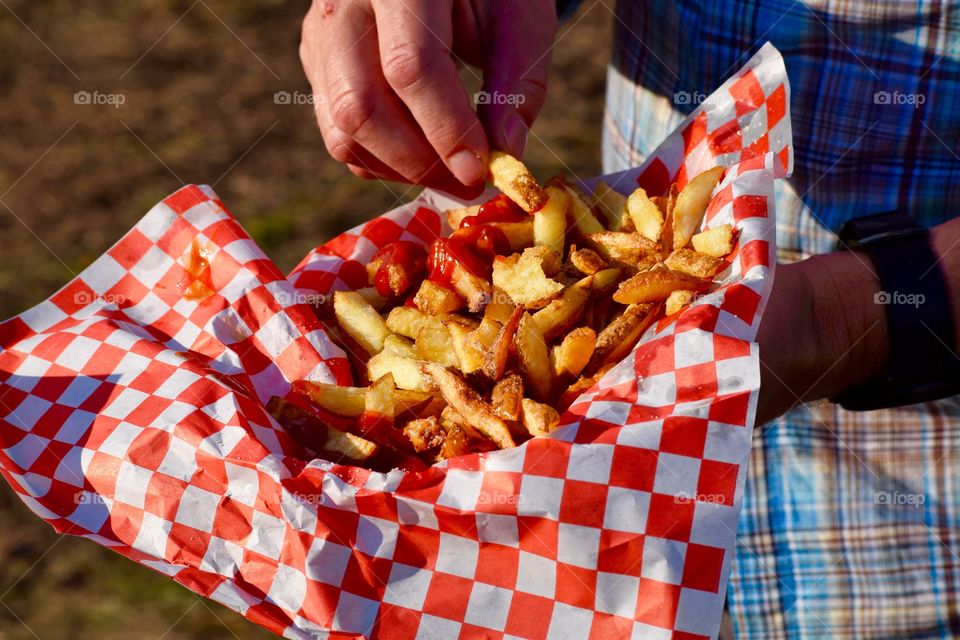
197 80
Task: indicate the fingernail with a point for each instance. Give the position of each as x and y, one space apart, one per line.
467 168
515 132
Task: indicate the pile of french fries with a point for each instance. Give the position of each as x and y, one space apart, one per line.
481 341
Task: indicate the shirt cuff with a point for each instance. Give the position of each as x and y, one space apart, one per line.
566 8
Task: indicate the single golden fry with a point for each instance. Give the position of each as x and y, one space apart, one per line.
646 215
469 358
627 249
435 344
611 204
619 337
495 362
513 178
534 357
395 343
539 419
360 321
586 261
667 204
570 357
406 371
692 263
692 205
654 285
677 300
408 321
564 312
379 399
518 234
716 242
582 215
506 397
550 223
465 400
524 278
435 299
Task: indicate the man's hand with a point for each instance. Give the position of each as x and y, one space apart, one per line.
823 331
387 92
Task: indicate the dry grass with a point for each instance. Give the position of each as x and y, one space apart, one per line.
76 177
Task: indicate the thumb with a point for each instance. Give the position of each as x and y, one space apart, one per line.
515 72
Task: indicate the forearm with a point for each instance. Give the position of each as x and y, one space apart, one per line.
824 331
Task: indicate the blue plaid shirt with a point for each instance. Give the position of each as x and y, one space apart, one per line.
851 522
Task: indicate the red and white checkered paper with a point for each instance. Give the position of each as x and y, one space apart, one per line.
134 417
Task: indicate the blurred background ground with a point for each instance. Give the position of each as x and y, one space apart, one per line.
198 79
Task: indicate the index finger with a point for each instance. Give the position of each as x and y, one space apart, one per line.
415 39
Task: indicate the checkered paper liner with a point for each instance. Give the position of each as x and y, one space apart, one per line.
135 417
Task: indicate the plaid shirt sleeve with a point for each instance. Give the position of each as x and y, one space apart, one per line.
851 522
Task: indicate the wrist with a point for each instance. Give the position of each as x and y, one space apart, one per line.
851 344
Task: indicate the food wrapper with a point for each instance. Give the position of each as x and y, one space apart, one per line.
132 413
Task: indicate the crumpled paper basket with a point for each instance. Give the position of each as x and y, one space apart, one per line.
134 416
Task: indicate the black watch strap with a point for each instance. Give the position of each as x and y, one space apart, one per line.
923 362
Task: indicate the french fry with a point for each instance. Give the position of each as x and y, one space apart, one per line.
425 433
550 223
534 357
408 321
524 277
677 300
467 402
396 267
519 235
338 400
627 249
469 358
456 216
495 361
692 205
570 357
667 205
500 307
373 298
483 337
611 205
435 344
654 285
435 299
474 289
564 312
581 213
360 321
617 339
379 399
506 397
326 440
716 242
587 261
646 215
395 343
539 419
406 371
693 263
513 178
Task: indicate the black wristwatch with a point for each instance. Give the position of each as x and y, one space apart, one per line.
923 362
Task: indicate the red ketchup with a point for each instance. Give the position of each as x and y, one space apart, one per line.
498 209
446 254
401 257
